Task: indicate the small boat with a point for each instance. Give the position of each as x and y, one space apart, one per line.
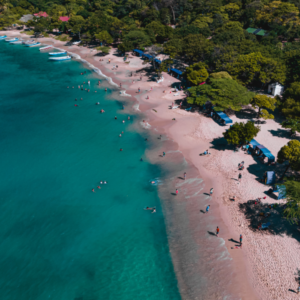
46 47
29 42
60 58
76 43
57 53
16 42
33 45
2 37
11 40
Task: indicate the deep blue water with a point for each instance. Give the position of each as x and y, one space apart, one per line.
58 239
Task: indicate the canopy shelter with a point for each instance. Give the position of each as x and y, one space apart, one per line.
139 52
264 152
148 56
177 72
158 60
270 177
281 190
254 143
223 117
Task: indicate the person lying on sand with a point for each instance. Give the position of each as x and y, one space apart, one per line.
205 153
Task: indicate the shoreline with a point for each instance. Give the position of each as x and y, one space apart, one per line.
237 289
254 273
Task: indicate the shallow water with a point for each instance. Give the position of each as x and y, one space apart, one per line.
58 239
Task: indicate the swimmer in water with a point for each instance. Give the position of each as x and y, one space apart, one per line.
146 139
141 159
95 91
120 135
75 99
105 89
154 210
93 190
88 90
76 105
115 118
153 182
122 132
123 121
84 82
102 110
101 182
67 87
79 86
128 118
72 87
81 99
98 187
89 82
104 182
121 149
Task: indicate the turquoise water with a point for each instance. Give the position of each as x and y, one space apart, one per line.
58 239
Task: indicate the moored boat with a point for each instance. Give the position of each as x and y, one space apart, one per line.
60 58
57 53
16 42
11 40
29 42
33 45
2 37
46 47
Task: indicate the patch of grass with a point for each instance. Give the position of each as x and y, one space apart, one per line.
103 49
29 32
63 38
45 34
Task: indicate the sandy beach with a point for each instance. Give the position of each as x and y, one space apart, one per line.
267 265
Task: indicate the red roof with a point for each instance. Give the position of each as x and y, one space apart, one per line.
41 14
64 19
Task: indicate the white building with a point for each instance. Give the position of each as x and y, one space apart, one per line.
275 89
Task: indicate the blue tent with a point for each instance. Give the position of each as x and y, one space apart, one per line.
176 71
140 52
270 179
268 154
158 60
254 143
281 190
224 117
148 56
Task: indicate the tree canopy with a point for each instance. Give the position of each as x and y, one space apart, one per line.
223 93
241 133
262 102
197 73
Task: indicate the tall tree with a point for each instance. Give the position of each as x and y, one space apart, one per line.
262 102
290 153
196 73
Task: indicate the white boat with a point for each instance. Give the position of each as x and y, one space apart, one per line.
29 42
2 37
76 43
33 45
46 47
16 42
11 40
60 58
57 53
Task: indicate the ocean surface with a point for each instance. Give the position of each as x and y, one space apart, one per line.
58 239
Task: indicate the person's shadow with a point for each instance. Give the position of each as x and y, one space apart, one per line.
201 210
211 233
180 178
174 194
290 290
234 241
206 194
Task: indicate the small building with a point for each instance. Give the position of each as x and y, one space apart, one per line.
26 18
64 19
259 32
275 89
41 14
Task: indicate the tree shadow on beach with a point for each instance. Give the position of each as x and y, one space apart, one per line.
283 133
260 213
247 113
220 144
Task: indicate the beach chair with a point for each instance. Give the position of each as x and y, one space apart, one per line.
188 108
265 226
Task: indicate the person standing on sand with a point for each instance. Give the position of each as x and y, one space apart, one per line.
109 61
298 290
139 90
184 175
211 191
241 240
207 208
217 231
240 177
164 154
176 192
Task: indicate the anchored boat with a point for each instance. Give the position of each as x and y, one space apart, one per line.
46 47
60 58
11 40
17 42
2 37
57 53
32 45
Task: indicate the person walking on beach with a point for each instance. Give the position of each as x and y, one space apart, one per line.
298 290
109 61
207 208
176 192
217 231
211 191
241 240
184 175
240 177
139 90
164 154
